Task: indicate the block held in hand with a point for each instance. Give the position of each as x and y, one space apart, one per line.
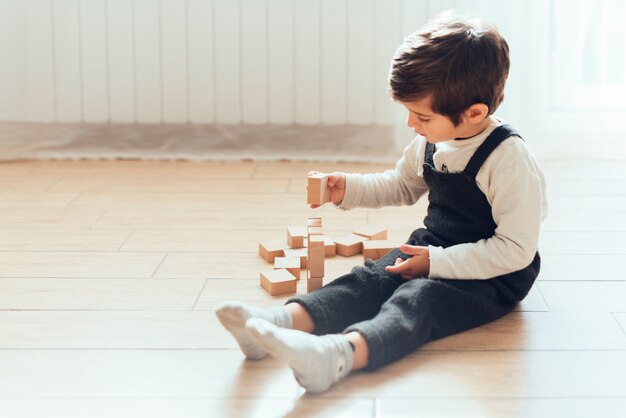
318 192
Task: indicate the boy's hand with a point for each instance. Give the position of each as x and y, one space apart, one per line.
337 186
411 268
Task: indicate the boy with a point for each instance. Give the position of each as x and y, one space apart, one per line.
477 255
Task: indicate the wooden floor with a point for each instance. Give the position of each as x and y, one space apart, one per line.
110 273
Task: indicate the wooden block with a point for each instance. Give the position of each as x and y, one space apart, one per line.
330 248
317 189
278 282
375 249
295 237
291 264
372 232
316 256
301 253
315 230
269 250
316 241
314 222
314 283
349 245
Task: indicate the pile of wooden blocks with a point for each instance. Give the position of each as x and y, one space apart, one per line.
288 262
310 255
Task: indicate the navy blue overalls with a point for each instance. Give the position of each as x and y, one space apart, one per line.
395 316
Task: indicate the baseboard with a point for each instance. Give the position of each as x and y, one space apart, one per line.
351 143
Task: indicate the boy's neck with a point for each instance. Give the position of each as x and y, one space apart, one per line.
477 129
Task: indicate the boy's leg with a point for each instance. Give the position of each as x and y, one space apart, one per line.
300 318
361 350
319 361
351 298
422 310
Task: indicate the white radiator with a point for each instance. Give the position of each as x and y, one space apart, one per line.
200 61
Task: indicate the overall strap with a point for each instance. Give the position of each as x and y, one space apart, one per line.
494 139
428 154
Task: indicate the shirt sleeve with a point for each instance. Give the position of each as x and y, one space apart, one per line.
402 185
516 194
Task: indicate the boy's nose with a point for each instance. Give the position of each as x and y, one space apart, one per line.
412 122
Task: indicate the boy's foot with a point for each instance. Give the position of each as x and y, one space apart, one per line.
317 361
233 315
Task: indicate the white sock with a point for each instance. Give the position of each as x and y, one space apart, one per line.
317 361
233 316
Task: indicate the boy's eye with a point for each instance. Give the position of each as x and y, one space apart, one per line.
421 119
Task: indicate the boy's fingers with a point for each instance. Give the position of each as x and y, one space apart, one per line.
402 269
398 268
412 249
398 261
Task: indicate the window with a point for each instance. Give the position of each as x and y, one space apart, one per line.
587 45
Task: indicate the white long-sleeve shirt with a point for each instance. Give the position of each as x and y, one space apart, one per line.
511 180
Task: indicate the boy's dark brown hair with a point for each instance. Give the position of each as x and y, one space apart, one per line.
459 61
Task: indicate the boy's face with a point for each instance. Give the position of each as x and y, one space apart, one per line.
434 126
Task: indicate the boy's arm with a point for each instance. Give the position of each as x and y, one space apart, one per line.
516 194
402 185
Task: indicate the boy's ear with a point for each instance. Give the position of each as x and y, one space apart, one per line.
476 113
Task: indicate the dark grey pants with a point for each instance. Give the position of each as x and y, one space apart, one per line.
395 316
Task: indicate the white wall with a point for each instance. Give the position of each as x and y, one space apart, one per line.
200 61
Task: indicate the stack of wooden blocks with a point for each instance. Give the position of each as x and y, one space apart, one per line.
308 247
316 253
